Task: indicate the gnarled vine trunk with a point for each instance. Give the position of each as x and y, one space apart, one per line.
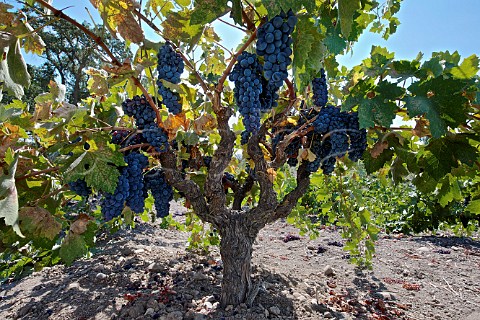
236 247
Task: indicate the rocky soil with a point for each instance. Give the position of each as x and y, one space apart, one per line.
146 273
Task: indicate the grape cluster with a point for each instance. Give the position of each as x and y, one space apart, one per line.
269 96
113 203
170 67
273 42
247 76
358 138
170 99
320 90
140 109
338 133
156 137
161 191
80 187
136 163
170 64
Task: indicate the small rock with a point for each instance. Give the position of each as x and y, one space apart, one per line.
423 249
175 315
136 311
199 276
137 251
328 315
385 295
210 298
405 272
127 251
156 267
328 271
153 304
229 307
101 276
275 310
268 285
150 312
208 305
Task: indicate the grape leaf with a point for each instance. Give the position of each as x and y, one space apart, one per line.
274 7
38 224
160 7
80 237
236 13
309 50
474 207
118 16
98 168
177 27
206 11
449 191
9 198
346 10
379 107
374 164
12 66
446 153
440 100
468 69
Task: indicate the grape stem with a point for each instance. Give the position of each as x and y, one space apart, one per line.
232 25
111 128
135 146
36 173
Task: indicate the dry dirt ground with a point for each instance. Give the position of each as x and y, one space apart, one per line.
146 273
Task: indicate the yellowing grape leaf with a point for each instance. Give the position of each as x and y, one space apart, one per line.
205 123
37 222
118 16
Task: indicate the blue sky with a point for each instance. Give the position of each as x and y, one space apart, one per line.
426 26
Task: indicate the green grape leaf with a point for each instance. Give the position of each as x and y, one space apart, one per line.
473 207
73 247
425 183
440 100
468 69
374 164
306 42
178 28
309 50
98 168
183 3
403 69
274 7
449 191
13 69
80 237
379 106
206 11
236 13
346 11
9 198
446 153
17 65
160 7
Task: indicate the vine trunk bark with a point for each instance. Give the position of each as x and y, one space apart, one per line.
236 248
